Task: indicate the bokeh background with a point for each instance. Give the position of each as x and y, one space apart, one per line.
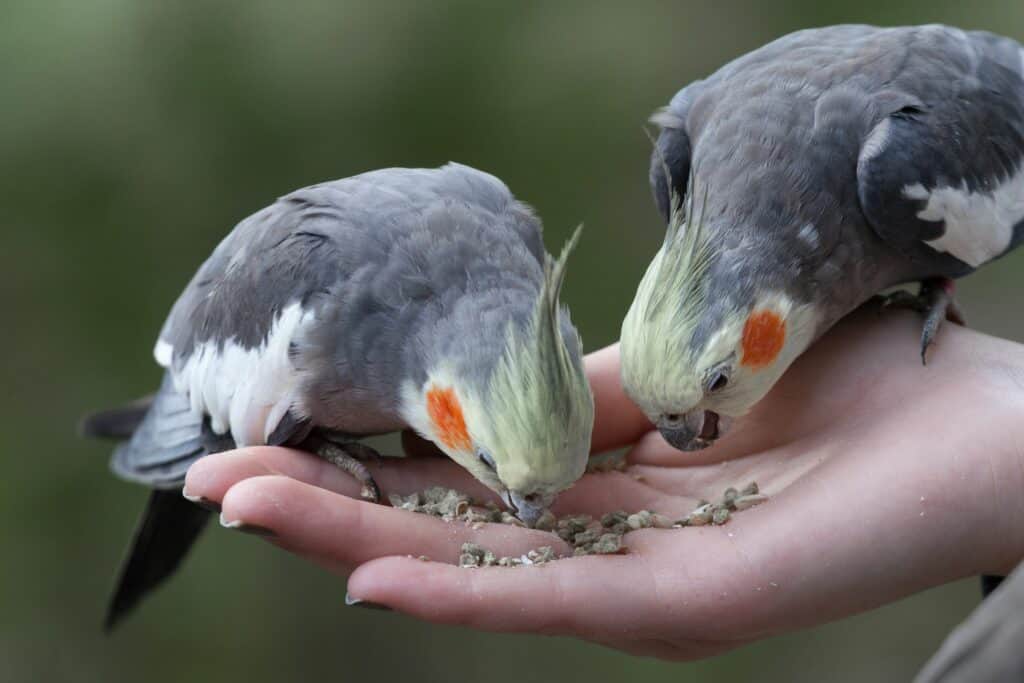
134 135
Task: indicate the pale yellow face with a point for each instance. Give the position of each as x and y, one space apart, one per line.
522 424
526 460
742 362
681 388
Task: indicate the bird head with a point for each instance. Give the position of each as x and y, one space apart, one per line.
518 419
704 341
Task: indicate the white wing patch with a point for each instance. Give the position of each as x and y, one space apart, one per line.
246 391
979 226
163 352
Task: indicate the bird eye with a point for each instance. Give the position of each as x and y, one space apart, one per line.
487 460
717 382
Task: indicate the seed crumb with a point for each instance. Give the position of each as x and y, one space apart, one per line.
720 516
749 501
582 533
546 522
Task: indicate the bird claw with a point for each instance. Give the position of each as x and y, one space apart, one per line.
348 456
370 492
935 301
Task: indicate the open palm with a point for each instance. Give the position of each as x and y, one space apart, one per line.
885 478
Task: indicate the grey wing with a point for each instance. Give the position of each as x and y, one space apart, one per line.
227 341
305 243
277 256
231 338
941 173
670 159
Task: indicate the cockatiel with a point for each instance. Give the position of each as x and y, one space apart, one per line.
395 299
812 174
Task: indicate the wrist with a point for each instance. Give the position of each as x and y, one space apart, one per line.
992 469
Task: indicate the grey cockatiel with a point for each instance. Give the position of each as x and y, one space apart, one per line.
400 298
813 173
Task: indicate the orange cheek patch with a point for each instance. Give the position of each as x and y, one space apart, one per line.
446 414
763 337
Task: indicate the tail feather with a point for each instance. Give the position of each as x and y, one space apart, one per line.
115 423
166 530
164 443
160 438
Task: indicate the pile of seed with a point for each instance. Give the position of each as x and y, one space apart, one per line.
719 513
474 555
586 535
451 505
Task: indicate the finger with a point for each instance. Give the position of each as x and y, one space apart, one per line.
210 477
340 532
583 596
638 600
617 421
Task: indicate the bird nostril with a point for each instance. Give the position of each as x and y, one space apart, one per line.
672 417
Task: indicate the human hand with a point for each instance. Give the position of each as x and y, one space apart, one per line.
885 478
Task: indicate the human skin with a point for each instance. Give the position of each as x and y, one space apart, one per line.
885 478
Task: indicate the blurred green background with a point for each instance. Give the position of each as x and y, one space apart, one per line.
132 137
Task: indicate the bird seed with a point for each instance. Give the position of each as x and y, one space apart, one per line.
583 533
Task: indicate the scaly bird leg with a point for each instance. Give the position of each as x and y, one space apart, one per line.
350 445
348 456
935 301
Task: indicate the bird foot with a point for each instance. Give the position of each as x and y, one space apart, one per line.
356 449
348 456
936 301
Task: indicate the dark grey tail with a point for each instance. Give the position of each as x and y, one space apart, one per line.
115 423
166 531
164 437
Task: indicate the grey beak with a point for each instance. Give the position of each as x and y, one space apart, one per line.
527 508
691 431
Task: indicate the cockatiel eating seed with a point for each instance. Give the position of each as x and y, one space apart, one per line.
395 299
811 174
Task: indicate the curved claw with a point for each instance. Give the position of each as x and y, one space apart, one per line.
348 457
937 297
935 301
370 491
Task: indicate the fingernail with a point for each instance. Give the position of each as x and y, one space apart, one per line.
365 604
239 525
205 503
